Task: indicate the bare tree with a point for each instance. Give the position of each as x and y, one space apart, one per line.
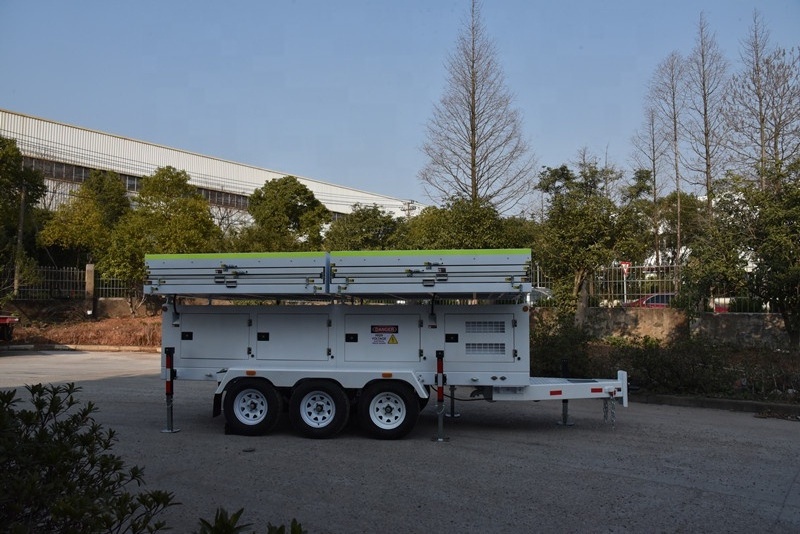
745 103
667 98
475 146
706 78
650 148
763 106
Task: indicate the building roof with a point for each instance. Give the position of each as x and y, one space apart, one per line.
55 141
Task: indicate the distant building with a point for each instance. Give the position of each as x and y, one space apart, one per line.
66 154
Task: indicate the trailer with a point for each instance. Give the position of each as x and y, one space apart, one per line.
370 334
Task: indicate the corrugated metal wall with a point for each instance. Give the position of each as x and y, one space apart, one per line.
41 138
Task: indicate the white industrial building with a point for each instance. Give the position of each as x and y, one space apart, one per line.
66 154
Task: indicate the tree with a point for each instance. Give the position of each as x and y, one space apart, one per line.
682 214
286 216
85 222
667 97
762 107
171 217
773 217
474 146
650 149
706 79
582 232
460 224
365 228
21 189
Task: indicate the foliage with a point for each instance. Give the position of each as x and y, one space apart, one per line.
555 342
20 191
460 224
223 523
229 524
475 148
365 228
170 217
583 231
83 223
696 366
774 242
58 473
717 265
286 216
14 180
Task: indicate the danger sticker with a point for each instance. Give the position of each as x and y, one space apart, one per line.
385 329
382 339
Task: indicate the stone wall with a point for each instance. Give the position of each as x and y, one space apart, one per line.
747 330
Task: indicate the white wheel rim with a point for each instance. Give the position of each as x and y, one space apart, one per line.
250 406
387 410
317 409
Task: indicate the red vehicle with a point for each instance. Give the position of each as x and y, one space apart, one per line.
7 323
656 300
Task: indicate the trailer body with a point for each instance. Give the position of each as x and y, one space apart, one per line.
352 329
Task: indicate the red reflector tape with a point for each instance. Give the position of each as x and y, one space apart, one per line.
597 390
555 392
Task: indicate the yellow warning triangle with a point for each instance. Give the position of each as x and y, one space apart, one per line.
392 340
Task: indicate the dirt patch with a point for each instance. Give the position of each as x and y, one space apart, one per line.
130 332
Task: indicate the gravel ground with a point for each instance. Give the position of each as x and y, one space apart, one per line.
507 467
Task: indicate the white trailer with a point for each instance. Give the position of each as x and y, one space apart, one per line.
324 332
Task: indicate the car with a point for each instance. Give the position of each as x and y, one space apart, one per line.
655 300
7 323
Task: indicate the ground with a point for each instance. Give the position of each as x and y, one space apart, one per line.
129 332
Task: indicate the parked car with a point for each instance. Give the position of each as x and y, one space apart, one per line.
7 323
656 300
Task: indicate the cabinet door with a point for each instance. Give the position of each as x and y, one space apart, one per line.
382 338
215 336
292 337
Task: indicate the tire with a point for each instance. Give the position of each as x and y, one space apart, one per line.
319 409
388 409
252 407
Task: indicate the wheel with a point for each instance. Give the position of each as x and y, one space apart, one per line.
319 409
388 410
252 407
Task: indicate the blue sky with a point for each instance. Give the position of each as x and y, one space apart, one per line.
340 91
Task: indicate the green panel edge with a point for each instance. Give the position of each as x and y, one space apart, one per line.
443 252
234 255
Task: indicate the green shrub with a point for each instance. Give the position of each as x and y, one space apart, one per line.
58 474
556 342
229 524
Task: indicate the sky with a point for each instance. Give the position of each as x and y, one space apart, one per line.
341 91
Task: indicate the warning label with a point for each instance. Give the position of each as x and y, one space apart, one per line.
385 329
383 339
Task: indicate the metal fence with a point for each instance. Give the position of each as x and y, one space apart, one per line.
611 286
47 283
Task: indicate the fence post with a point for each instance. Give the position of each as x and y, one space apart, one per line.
89 296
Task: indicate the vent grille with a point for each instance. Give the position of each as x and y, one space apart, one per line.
485 327
485 348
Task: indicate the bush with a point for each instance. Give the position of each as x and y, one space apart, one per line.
697 366
58 473
229 524
556 342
